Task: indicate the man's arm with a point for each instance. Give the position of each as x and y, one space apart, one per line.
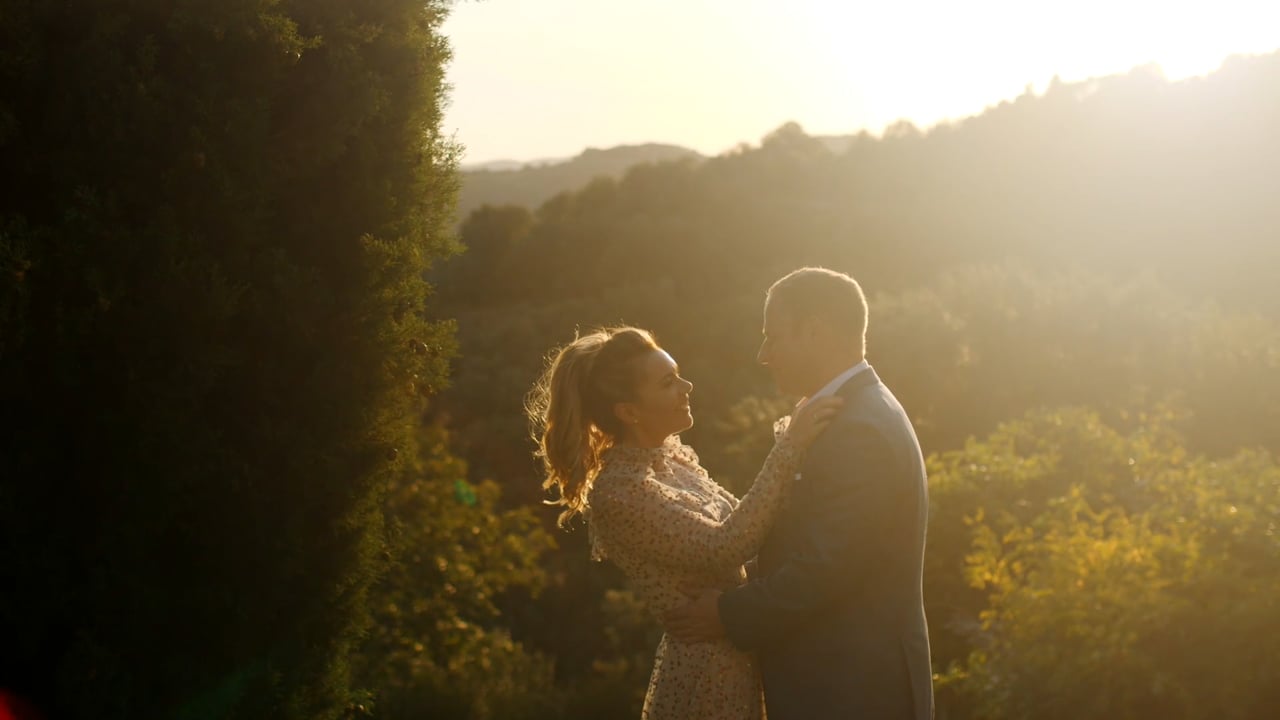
856 498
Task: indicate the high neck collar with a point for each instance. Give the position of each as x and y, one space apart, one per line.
671 448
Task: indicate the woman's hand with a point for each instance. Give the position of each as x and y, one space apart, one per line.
811 419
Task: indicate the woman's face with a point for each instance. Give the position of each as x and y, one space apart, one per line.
661 405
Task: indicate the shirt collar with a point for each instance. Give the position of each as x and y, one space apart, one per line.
844 377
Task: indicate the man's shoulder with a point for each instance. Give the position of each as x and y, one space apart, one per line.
871 420
871 407
854 429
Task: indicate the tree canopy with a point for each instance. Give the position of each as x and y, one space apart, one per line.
216 223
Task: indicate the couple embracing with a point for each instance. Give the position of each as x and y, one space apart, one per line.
804 596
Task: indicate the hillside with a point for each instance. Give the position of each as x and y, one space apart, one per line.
1129 184
1085 276
531 184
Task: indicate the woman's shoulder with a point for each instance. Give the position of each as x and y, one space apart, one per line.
623 462
622 471
627 472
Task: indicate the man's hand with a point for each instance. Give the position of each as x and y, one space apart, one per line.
697 620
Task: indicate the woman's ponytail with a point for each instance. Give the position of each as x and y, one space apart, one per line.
570 409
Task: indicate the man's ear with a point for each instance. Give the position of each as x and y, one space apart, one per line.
820 335
813 331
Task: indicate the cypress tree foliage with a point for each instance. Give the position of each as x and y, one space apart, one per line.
216 222
440 646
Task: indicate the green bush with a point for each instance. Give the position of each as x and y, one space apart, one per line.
1116 575
438 647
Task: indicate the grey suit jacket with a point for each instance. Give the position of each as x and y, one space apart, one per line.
836 612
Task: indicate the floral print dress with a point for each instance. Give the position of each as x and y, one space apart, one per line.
657 514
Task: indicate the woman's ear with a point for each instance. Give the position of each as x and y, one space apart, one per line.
626 413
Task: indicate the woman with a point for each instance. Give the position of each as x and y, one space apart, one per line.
606 415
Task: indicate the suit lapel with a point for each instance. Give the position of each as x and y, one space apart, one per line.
788 528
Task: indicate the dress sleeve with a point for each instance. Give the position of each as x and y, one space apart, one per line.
646 517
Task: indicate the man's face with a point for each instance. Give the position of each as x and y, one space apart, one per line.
784 351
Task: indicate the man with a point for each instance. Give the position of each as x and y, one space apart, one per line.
834 609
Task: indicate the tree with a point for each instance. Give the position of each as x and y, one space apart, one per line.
438 647
215 228
490 235
1121 576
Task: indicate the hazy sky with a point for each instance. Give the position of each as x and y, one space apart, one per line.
549 78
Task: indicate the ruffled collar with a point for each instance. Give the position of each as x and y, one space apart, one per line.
670 448
629 464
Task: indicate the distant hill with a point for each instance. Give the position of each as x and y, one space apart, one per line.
508 182
495 165
840 144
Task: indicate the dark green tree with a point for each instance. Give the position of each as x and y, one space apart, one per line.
489 237
216 222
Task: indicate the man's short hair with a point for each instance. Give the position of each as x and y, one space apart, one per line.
815 293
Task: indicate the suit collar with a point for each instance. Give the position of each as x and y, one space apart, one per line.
864 379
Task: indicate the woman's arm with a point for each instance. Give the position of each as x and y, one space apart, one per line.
646 518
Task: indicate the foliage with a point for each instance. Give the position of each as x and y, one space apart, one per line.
216 221
438 646
1117 570
982 344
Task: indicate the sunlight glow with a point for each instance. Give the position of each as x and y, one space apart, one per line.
549 78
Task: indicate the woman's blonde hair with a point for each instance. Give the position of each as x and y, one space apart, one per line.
571 408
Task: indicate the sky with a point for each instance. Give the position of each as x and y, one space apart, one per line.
536 79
